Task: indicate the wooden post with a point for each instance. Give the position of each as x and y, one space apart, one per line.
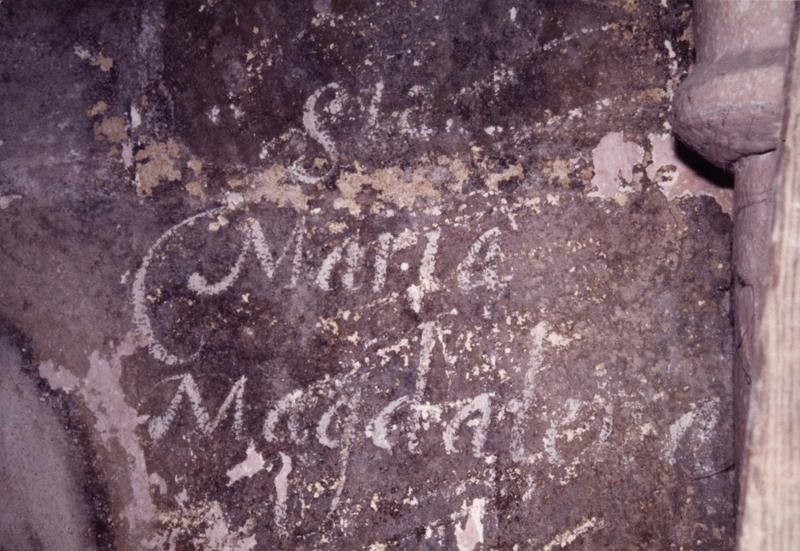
770 506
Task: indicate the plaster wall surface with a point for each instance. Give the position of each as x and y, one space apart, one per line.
357 275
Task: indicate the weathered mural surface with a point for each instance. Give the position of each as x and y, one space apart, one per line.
328 275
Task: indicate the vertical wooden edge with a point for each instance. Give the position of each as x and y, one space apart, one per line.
769 509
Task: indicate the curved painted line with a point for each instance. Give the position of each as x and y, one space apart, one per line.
141 318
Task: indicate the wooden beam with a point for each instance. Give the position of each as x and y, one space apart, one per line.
770 504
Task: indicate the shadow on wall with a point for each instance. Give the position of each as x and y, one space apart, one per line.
710 172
